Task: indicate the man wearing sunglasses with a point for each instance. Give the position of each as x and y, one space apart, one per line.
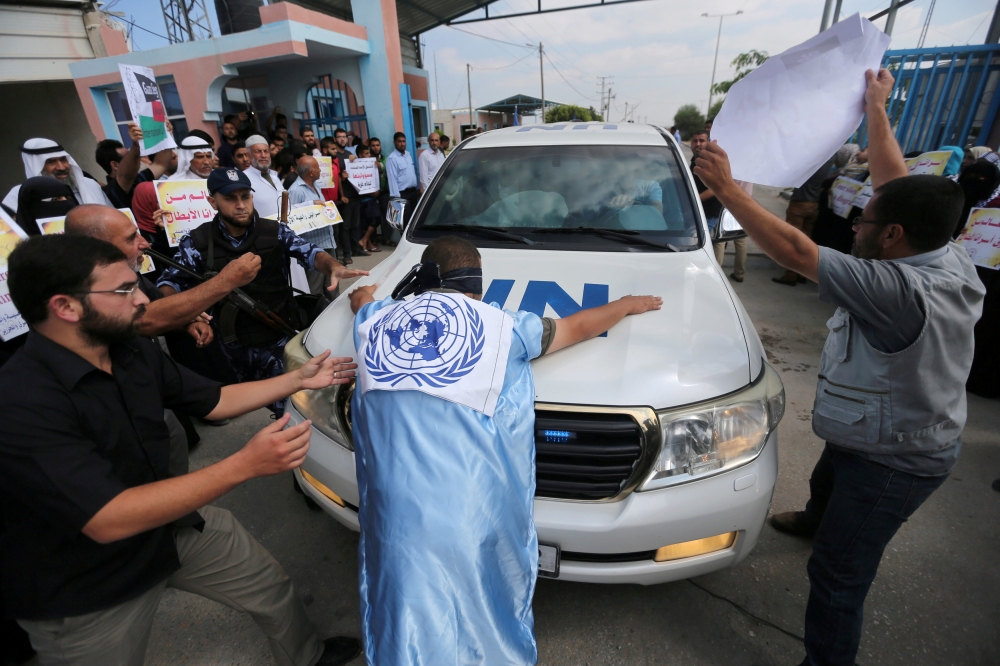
891 396
95 529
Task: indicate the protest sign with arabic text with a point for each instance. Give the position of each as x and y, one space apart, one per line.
843 194
146 105
325 172
363 174
981 237
185 206
11 323
57 225
312 217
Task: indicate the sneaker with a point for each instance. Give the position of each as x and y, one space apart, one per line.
794 523
339 650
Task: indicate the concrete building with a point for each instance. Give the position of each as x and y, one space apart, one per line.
39 41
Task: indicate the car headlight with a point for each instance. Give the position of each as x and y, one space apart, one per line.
329 408
717 435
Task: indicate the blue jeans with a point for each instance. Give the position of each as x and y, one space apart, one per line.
858 505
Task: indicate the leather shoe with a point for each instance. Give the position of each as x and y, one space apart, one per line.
794 523
732 276
788 283
339 650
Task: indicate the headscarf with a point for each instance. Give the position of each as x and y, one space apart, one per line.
426 276
185 153
34 152
980 151
954 162
144 204
34 202
845 155
981 183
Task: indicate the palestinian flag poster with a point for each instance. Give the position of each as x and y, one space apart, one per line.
146 105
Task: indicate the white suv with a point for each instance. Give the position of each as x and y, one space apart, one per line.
656 444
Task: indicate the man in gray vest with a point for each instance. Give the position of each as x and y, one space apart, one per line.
891 396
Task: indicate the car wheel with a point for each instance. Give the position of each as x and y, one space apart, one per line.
310 502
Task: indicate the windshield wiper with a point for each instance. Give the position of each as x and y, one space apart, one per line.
492 232
624 235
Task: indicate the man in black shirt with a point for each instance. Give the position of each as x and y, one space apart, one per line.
711 205
94 530
125 168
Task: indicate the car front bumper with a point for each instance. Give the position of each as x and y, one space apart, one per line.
639 523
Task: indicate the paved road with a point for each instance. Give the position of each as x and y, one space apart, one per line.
935 600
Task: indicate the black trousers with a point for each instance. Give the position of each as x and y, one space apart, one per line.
347 231
412 196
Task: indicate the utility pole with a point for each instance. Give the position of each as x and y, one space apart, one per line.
468 80
718 38
541 69
625 117
602 96
890 20
927 24
437 82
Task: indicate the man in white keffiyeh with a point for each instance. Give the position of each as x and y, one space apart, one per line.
44 157
194 159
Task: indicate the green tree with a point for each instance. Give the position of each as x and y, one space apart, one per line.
689 120
716 107
565 112
744 63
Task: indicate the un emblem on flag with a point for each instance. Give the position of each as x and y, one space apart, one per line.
434 340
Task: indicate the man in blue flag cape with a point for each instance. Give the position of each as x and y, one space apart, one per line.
443 420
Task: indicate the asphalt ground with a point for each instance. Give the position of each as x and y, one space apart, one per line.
935 600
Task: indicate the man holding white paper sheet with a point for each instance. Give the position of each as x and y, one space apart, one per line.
891 399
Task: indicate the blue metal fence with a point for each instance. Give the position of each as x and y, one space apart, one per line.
942 97
331 104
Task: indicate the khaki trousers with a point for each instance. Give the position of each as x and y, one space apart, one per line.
801 215
740 262
223 563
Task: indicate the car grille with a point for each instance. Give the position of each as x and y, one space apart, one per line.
584 456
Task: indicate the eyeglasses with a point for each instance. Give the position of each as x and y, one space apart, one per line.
123 292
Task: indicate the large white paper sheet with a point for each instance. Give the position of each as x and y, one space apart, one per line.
790 115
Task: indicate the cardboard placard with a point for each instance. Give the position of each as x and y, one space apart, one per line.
312 217
325 172
185 206
363 175
981 237
843 195
146 105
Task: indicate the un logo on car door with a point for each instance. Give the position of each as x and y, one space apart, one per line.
433 340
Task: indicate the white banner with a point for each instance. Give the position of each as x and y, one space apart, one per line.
311 217
363 174
11 323
446 345
146 105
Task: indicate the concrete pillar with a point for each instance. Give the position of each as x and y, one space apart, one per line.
382 70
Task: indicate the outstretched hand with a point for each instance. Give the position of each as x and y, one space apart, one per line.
343 273
639 304
325 370
712 166
276 449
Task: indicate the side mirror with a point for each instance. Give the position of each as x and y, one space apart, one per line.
394 214
727 228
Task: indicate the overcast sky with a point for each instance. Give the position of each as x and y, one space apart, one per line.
657 54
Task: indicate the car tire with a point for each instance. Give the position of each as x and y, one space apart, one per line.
310 502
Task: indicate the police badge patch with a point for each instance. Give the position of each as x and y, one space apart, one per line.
445 345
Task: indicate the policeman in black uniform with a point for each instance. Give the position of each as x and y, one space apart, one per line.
254 348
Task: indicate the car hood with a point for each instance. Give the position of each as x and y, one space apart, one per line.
693 349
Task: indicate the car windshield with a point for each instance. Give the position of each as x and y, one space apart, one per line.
609 198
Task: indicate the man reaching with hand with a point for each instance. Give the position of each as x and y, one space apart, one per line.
94 528
891 399
444 418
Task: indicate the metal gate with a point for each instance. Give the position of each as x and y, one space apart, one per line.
331 104
942 96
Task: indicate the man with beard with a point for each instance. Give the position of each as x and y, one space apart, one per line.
194 159
264 180
230 141
43 157
891 399
253 348
309 138
94 528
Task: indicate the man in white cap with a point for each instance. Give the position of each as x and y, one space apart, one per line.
266 183
44 157
194 159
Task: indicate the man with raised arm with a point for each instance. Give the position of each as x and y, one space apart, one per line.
94 527
443 420
891 396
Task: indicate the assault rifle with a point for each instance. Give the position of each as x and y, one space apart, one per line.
237 297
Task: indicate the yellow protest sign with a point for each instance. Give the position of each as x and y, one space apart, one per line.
185 206
981 237
11 323
843 193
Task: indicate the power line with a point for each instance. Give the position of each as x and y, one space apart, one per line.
136 25
492 39
493 69
564 79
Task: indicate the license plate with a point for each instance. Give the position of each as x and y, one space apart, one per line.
548 560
